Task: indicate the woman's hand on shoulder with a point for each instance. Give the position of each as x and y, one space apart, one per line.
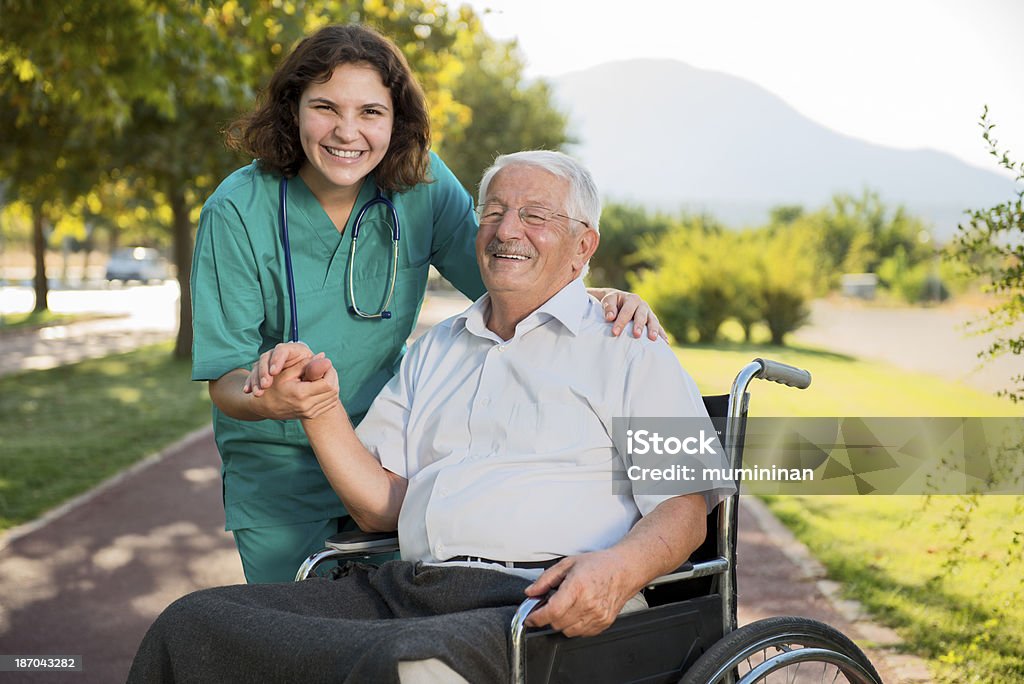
622 307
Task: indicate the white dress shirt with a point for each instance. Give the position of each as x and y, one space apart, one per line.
507 444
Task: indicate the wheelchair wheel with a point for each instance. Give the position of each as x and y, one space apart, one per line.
785 649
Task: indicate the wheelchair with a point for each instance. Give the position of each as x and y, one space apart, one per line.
689 633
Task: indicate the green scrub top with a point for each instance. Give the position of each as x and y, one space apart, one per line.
240 310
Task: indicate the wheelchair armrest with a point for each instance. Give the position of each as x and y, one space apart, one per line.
355 541
691 570
350 545
518 653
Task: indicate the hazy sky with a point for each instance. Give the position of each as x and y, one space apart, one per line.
904 73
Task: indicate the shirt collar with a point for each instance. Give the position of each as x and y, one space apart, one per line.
567 306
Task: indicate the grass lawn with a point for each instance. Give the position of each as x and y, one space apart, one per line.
67 429
841 386
39 319
945 571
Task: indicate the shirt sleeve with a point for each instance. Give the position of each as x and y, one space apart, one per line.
384 429
227 301
657 386
453 251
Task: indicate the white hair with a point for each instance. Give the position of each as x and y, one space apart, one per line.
583 202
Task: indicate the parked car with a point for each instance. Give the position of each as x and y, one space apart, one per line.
138 263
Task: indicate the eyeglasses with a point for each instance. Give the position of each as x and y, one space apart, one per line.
492 213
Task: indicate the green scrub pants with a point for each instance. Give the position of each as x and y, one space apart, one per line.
274 553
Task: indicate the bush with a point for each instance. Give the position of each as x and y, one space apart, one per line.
913 283
700 280
787 277
690 284
625 229
858 233
784 311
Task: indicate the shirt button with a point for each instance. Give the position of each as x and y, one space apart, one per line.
439 551
501 347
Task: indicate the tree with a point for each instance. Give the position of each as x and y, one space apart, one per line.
153 84
861 232
625 231
785 281
502 113
692 283
701 277
783 214
991 246
228 52
46 157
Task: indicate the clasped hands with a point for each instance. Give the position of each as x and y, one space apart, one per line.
291 382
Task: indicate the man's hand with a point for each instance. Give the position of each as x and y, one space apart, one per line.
623 307
591 590
290 382
321 368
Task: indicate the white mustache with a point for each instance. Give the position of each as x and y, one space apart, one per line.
508 249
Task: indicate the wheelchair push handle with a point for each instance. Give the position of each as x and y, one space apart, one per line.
784 374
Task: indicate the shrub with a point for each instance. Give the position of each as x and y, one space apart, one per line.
913 283
690 285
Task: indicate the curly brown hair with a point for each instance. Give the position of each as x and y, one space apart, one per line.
270 133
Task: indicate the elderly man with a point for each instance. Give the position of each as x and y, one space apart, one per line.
491 454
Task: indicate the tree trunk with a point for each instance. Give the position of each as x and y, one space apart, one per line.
42 286
182 229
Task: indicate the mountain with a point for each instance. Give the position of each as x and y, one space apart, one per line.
672 136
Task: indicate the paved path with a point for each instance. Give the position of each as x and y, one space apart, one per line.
939 341
89 579
134 316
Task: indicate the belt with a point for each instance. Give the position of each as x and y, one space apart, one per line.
525 565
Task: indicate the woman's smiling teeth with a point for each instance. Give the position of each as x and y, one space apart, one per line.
344 154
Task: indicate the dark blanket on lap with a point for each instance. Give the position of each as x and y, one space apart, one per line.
355 628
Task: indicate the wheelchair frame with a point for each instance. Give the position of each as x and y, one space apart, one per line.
793 639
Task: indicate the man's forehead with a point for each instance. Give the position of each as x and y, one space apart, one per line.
525 183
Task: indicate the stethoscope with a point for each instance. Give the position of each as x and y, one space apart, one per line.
384 312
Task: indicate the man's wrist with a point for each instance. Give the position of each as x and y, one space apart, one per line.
329 414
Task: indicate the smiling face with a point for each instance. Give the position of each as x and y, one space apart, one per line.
532 263
345 128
